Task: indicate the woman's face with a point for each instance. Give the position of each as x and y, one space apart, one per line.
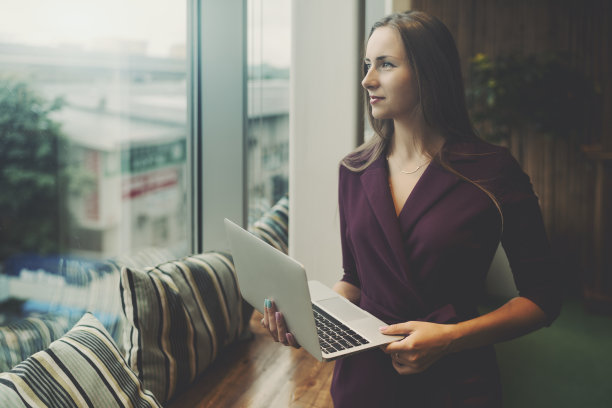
389 79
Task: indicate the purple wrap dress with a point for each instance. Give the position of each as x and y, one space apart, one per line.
430 264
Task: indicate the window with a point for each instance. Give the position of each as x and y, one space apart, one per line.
268 41
93 128
122 132
94 150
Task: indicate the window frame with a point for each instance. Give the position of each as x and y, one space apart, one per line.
217 118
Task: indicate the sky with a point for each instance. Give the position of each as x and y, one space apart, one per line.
275 18
161 24
84 22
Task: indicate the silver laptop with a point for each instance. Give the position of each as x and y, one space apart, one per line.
341 328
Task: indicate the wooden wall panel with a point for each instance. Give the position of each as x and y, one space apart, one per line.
563 177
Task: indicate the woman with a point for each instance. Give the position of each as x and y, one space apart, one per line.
423 206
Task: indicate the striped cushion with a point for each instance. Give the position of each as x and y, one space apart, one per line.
273 226
179 316
25 337
84 368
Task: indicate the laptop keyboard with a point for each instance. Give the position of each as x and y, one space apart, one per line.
333 335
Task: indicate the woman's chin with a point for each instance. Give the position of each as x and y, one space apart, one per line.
380 115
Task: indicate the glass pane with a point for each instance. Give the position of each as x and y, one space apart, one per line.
93 153
269 41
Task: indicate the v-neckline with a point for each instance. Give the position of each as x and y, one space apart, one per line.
390 188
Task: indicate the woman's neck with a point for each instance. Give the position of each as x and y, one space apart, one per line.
414 141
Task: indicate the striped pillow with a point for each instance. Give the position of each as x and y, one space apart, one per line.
179 315
25 337
273 226
83 368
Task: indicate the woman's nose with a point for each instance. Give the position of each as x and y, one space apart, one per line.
369 80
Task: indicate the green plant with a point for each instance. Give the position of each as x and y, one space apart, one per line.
34 174
540 91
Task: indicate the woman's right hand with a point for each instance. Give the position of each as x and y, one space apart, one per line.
275 323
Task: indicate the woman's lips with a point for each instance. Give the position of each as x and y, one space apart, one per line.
375 99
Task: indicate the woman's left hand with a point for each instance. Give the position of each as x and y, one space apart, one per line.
425 344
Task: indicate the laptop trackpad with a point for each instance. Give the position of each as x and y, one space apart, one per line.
343 310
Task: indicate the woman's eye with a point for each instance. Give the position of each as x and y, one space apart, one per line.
387 65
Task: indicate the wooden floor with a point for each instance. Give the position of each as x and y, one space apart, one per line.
260 373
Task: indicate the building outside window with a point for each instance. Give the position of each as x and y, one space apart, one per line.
93 136
116 73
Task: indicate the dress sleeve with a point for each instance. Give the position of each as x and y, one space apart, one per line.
524 239
348 259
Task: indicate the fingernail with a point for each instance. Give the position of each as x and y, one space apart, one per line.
267 303
277 315
383 328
